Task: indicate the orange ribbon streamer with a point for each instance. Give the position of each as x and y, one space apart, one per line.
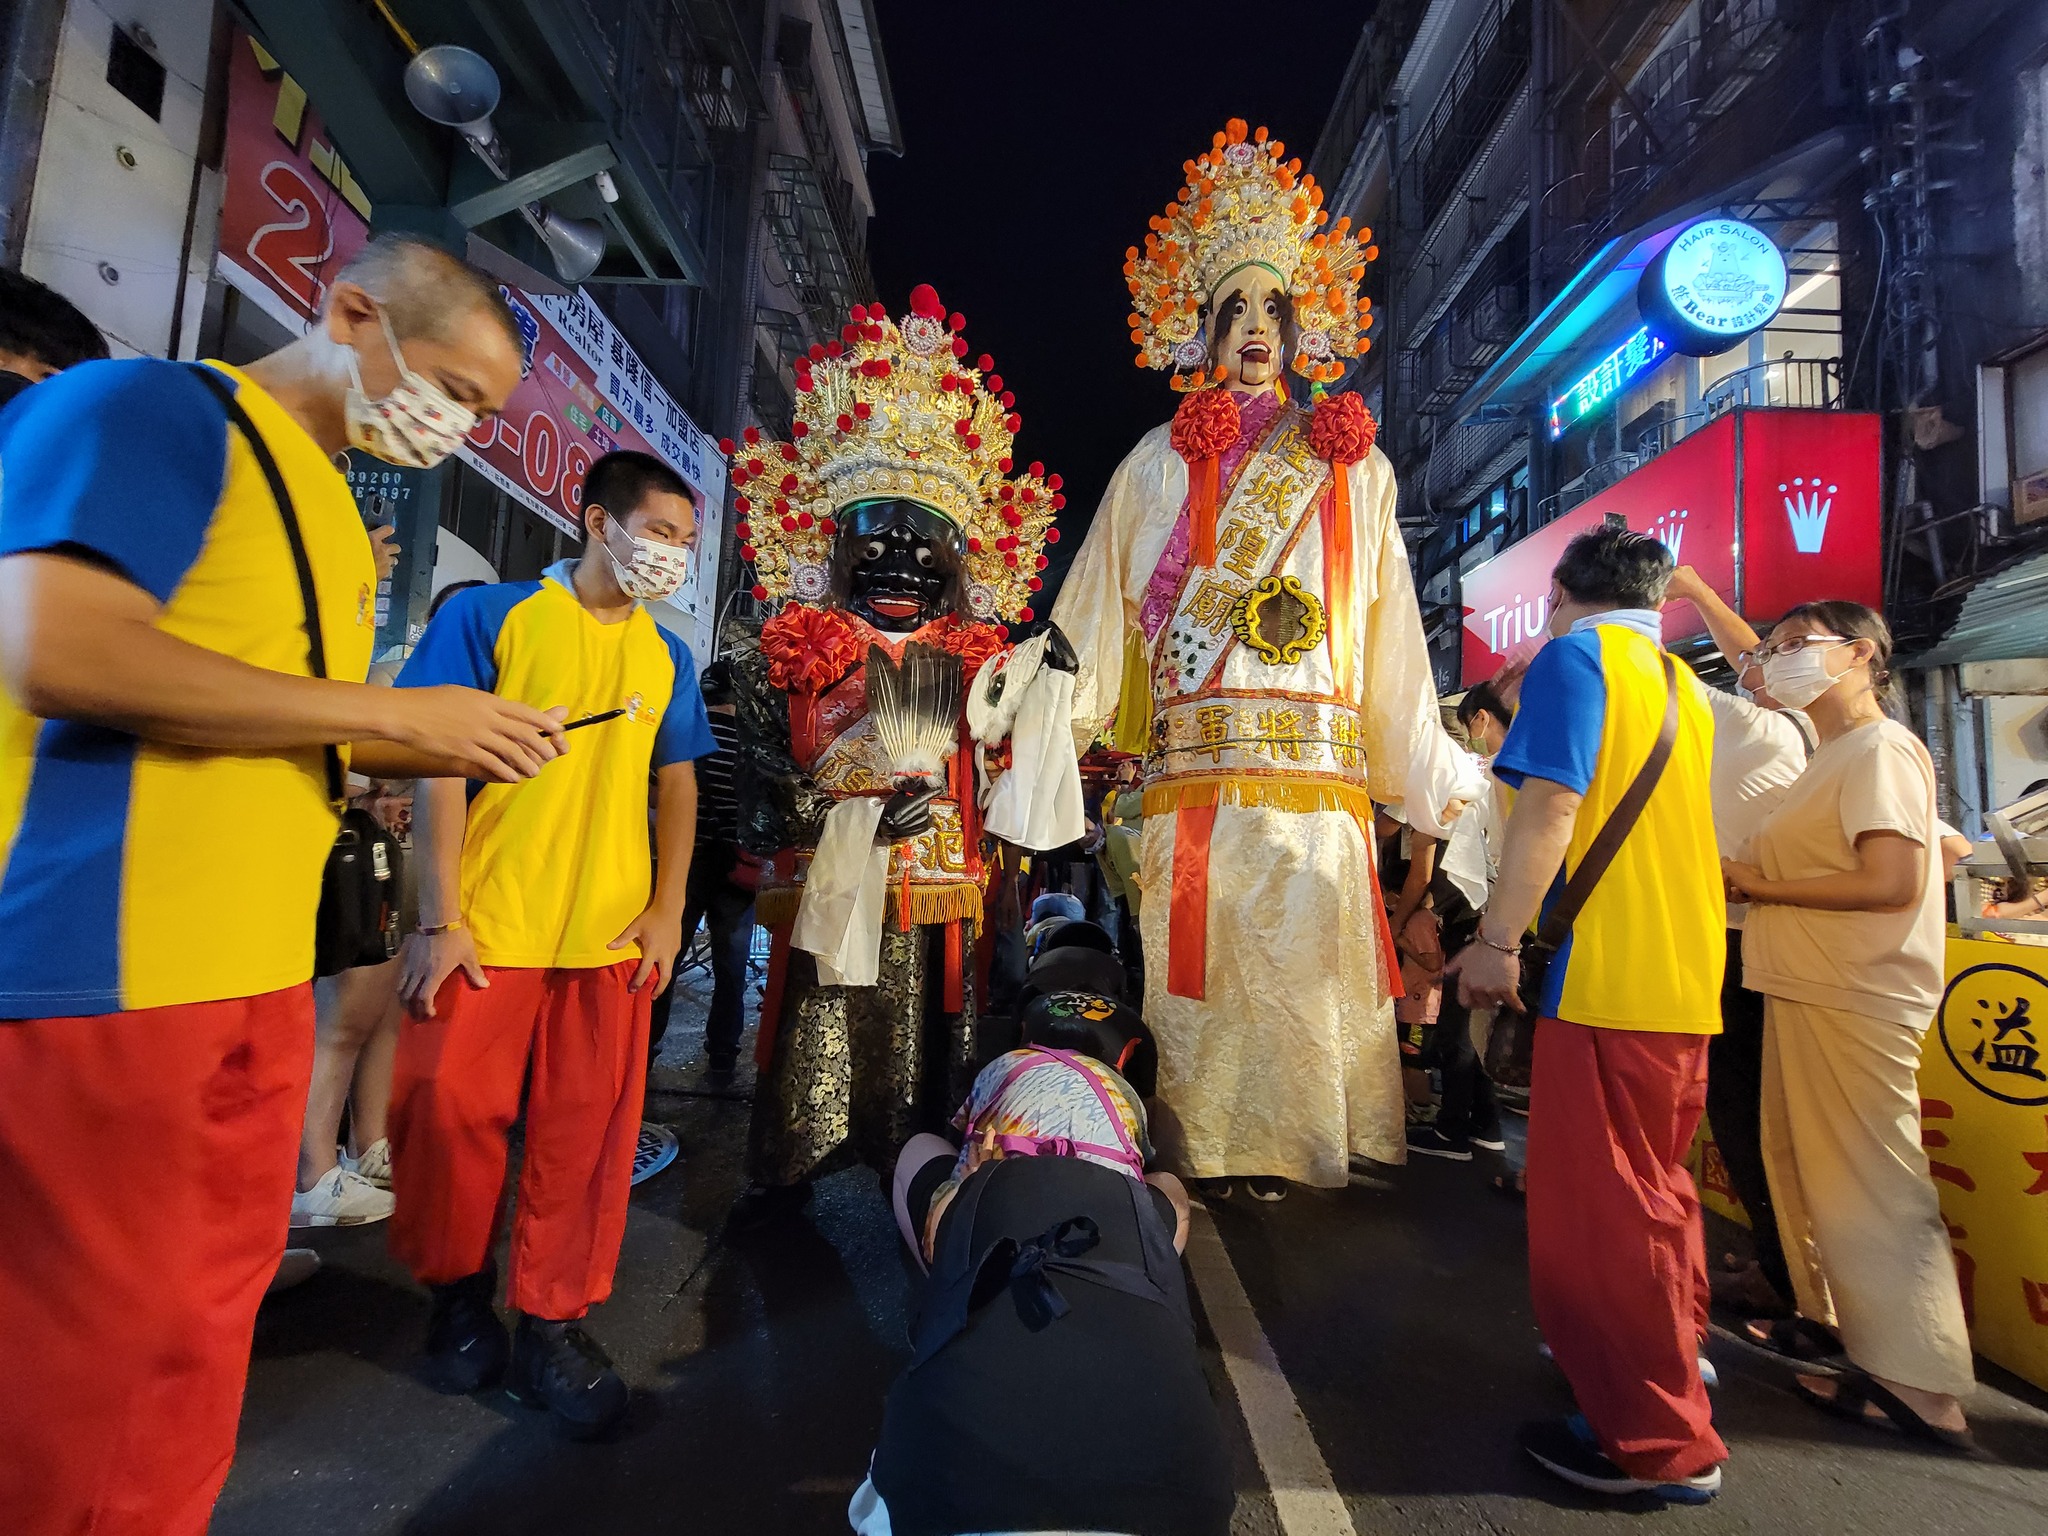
1392 956
1203 481
955 998
1187 929
1338 582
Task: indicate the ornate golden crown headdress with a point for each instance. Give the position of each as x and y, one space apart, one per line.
1244 205
893 411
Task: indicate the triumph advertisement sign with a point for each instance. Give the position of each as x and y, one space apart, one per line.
1772 507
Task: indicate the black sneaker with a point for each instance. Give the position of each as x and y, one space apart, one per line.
1567 1448
719 1072
1213 1190
766 1204
466 1344
559 1367
1490 1138
1428 1141
1272 1191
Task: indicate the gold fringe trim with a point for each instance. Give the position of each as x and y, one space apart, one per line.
776 906
937 904
1280 794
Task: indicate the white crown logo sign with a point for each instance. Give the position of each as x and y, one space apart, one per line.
1669 530
1807 504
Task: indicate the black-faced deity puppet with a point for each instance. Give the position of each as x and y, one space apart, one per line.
898 540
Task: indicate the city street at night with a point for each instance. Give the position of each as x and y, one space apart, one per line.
934 768
1394 1315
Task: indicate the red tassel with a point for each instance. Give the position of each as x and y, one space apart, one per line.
1187 929
1203 476
771 997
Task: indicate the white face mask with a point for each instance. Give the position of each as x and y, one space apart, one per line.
655 569
1795 681
416 425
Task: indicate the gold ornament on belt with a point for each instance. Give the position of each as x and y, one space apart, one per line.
1280 619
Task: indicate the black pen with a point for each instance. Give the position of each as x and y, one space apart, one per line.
577 725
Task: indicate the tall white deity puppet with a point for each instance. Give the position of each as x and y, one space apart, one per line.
1243 611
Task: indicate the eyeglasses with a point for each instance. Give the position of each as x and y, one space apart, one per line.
1791 645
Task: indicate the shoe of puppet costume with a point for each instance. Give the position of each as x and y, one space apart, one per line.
559 1367
466 1343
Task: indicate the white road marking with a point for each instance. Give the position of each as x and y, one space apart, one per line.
1304 1494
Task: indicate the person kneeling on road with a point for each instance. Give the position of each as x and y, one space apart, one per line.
540 901
1055 1384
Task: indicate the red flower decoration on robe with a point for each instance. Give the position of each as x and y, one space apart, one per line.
810 649
1342 429
973 643
1205 425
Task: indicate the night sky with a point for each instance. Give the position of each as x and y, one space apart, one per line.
1039 139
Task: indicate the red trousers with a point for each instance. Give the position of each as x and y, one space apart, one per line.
146 1170
1617 1262
454 1096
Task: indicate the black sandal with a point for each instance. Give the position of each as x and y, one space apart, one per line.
1855 1393
1795 1338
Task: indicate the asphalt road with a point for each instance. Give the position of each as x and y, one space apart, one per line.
1395 1312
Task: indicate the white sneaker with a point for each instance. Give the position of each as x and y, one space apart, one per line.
374 1164
342 1199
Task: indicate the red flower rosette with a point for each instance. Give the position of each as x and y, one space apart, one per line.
1342 429
973 643
1205 425
810 649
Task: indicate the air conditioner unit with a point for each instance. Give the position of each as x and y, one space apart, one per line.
2030 498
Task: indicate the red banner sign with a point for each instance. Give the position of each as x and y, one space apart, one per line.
1789 498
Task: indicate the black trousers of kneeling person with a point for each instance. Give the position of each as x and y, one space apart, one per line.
1735 1091
1056 1385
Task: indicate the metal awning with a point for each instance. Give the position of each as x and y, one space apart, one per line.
871 75
2005 618
1514 384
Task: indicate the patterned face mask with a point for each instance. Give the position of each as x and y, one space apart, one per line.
415 425
654 570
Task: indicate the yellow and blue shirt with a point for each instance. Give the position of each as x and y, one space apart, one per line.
553 869
1648 948
135 874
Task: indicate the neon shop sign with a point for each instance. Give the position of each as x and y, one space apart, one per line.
1606 379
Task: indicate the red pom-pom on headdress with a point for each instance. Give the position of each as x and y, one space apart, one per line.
924 300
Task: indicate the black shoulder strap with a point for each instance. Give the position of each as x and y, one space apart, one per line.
316 642
1628 810
1804 728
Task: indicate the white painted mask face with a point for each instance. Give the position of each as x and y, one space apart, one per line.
416 425
652 570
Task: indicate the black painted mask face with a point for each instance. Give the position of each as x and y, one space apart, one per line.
898 565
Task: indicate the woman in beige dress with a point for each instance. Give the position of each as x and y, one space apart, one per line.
1845 941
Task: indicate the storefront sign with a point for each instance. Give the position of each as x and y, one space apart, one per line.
1718 280
292 214
1787 498
1984 1119
1606 379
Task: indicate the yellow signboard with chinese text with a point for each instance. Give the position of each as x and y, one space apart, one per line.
1984 1119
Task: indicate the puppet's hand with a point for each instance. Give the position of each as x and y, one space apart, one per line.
1059 651
907 814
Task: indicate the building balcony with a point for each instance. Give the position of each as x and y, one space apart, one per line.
1624 160
1796 383
1488 75
827 271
